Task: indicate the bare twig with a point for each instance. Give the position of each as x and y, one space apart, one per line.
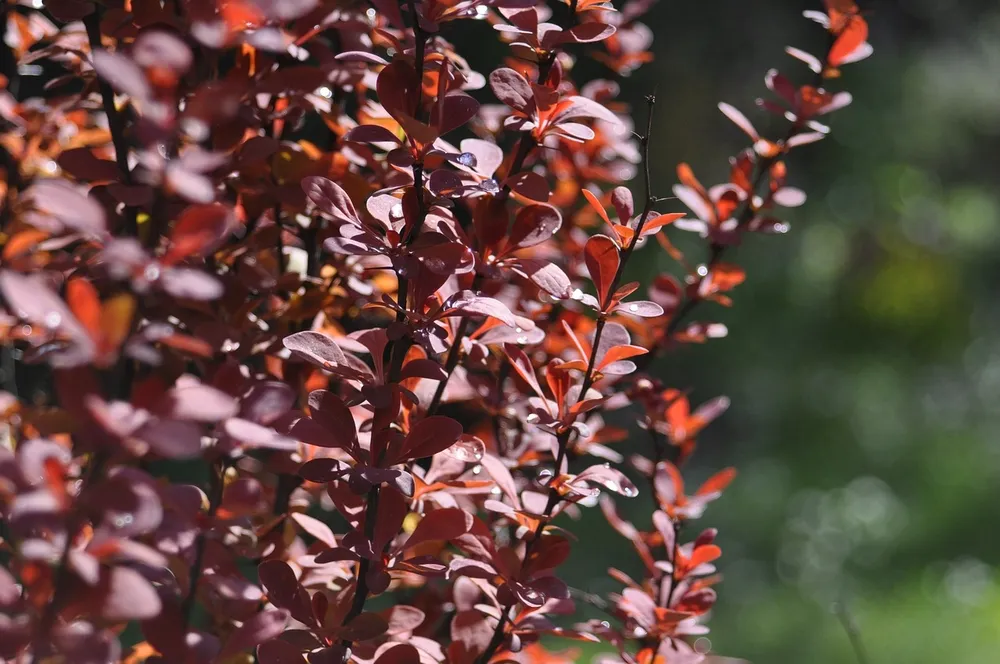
850 626
116 121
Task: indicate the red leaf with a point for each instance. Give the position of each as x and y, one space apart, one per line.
399 653
284 590
596 204
430 436
364 627
849 40
398 88
717 483
442 525
277 651
533 225
603 259
522 365
199 231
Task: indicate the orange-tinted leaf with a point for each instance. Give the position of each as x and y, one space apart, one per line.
717 482
602 257
596 204
83 301
849 40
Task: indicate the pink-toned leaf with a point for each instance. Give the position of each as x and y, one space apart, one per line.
512 89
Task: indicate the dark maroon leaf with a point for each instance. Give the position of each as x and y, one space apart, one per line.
329 197
533 225
277 651
261 627
430 436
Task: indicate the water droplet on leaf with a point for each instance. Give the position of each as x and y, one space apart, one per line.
490 186
467 159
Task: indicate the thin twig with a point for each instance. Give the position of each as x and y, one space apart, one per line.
717 249
524 146
843 614
588 381
116 121
75 523
218 482
398 348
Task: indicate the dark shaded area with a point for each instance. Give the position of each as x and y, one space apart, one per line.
864 356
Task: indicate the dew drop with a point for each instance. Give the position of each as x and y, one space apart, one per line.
702 271
230 346
123 521
26 330
477 469
325 92
470 450
152 272
577 294
52 319
633 307
490 186
533 595
467 159
532 418
518 330
522 339
605 624
396 211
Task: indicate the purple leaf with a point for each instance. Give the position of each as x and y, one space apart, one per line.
172 439
190 284
467 303
640 308
316 348
371 134
162 49
128 596
621 198
199 402
547 276
67 205
256 436
512 89
533 225
430 436
331 199
122 73
277 651
259 628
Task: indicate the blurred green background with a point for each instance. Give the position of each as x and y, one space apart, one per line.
864 351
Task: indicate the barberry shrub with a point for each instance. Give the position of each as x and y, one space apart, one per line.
310 329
